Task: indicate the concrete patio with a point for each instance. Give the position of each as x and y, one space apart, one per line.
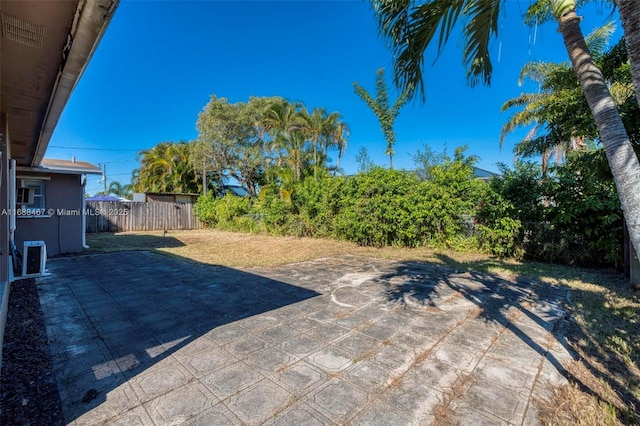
141 338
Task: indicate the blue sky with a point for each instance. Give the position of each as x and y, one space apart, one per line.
159 62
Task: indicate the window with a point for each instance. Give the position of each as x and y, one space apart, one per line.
36 187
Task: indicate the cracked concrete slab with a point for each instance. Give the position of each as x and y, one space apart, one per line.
139 338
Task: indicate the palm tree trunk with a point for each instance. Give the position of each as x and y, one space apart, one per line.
315 159
620 154
630 17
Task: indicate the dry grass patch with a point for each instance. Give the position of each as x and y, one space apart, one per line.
604 332
235 249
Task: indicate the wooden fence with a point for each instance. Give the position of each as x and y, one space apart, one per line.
114 216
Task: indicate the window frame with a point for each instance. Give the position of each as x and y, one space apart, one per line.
39 206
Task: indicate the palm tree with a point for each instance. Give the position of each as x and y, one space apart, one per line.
314 125
339 139
334 134
166 168
410 27
560 106
120 190
380 107
285 122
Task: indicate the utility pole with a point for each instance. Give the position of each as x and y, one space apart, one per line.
204 177
104 177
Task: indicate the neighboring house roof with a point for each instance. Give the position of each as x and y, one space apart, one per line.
483 174
172 193
49 165
235 190
105 198
479 173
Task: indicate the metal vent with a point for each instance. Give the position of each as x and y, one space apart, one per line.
21 31
21 143
21 112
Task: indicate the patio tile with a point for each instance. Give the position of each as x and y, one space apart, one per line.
358 345
259 402
302 345
226 333
208 361
160 379
368 375
327 332
380 414
245 346
299 414
181 404
218 415
271 360
299 377
278 334
332 359
230 380
134 417
338 400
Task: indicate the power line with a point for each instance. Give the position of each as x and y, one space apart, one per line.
96 149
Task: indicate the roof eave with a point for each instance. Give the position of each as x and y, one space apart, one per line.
90 22
58 170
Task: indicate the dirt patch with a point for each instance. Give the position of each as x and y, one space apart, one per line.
29 394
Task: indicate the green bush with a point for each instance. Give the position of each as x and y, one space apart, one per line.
378 208
228 212
570 216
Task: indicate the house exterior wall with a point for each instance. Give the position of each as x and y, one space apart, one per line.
61 228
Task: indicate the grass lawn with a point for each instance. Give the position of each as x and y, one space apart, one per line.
603 328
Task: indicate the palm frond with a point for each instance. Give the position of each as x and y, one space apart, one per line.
482 25
409 29
598 39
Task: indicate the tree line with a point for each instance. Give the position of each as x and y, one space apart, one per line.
263 142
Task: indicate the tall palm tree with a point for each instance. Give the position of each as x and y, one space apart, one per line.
327 131
314 125
411 26
285 122
380 106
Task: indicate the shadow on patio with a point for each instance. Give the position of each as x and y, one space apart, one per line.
520 305
111 317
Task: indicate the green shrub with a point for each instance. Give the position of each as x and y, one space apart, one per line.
227 212
571 216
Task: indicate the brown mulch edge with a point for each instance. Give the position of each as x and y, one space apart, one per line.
28 390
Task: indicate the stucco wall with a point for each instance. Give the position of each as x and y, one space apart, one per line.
62 230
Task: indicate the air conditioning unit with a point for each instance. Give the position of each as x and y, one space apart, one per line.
34 259
24 196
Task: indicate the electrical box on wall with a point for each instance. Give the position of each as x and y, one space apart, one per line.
34 259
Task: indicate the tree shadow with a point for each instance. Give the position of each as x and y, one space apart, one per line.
105 242
501 300
111 317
